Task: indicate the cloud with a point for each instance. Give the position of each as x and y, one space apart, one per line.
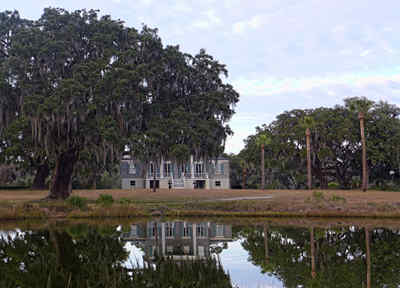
274 85
209 20
365 53
146 2
254 22
182 6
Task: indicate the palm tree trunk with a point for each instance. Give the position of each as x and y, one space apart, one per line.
309 176
364 153
262 168
266 243
368 256
313 272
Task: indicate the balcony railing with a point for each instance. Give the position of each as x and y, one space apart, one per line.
200 175
151 175
187 175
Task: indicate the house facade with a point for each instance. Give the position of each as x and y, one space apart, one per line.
165 174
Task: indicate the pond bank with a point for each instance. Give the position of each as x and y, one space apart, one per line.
212 203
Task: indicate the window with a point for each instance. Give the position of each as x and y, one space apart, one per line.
133 183
152 229
154 170
169 230
167 169
132 167
217 183
186 230
201 230
134 230
221 168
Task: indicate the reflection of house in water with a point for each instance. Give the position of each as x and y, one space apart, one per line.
179 240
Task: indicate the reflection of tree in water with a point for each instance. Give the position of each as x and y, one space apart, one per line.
189 273
54 257
341 256
82 256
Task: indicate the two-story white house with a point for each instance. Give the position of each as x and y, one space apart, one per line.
194 174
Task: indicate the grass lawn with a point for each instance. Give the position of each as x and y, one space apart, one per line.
15 204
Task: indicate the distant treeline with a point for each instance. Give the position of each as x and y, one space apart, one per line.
335 148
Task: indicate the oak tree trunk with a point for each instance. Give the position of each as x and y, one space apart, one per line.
93 180
364 153
42 172
309 176
244 178
61 186
262 168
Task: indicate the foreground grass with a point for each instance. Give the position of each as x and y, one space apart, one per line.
188 203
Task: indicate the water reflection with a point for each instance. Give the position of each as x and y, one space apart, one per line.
179 240
315 257
199 254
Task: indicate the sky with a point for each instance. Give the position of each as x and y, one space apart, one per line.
280 54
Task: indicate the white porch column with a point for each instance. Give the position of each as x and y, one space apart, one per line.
162 169
191 167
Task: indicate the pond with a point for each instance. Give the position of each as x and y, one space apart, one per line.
200 253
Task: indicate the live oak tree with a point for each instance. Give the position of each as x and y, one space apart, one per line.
89 88
13 128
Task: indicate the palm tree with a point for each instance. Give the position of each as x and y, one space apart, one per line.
361 105
364 152
262 140
308 123
309 176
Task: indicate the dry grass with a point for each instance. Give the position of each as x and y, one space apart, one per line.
294 196
284 203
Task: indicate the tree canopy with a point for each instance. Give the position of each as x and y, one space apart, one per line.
80 88
335 146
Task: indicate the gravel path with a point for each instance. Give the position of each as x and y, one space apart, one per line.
243 198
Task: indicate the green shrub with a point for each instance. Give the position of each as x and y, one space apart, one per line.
77 202
124 201
336 198
333 185
105 200
318 195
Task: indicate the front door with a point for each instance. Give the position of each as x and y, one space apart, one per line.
200 184
157 184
